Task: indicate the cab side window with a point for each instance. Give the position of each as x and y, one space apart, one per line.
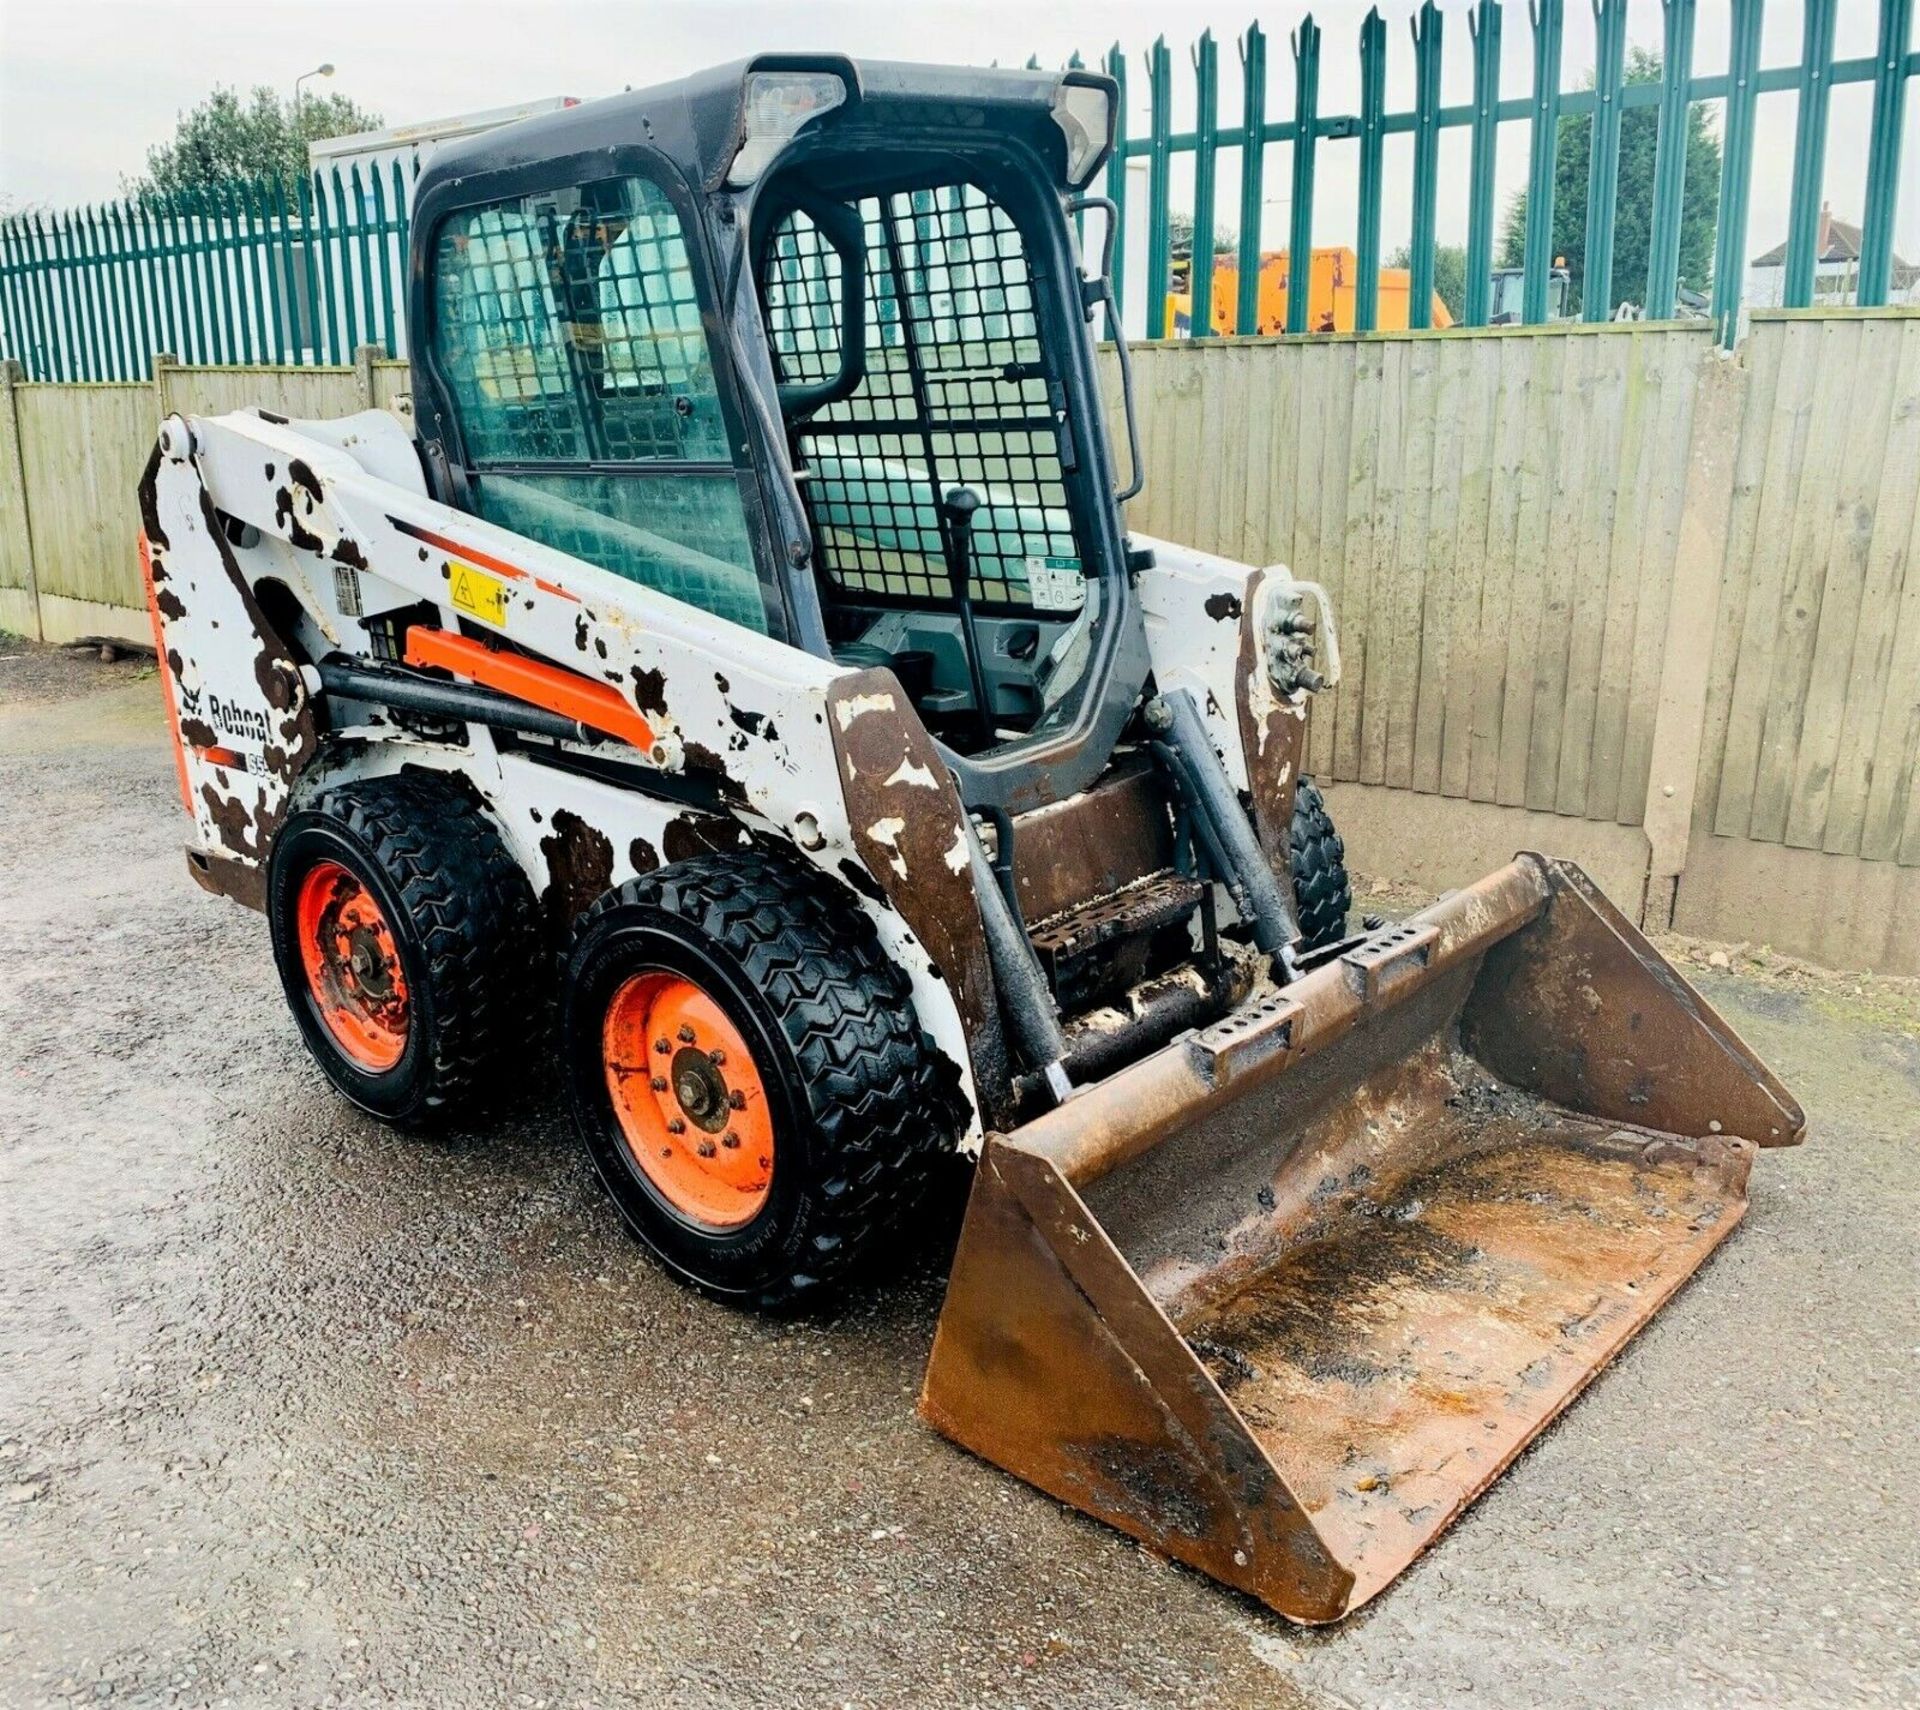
567 330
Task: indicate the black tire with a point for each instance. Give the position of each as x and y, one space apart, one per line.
1321 892
860 1111
462 920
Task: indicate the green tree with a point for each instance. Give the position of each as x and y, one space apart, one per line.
1449 273
1633 207
264 137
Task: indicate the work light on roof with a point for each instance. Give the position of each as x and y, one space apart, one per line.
1085 117
778 104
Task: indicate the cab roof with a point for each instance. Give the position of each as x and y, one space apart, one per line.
698 122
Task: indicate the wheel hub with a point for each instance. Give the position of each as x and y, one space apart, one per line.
701 1088
689 1099
352 966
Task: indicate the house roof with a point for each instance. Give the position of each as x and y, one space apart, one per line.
1838 243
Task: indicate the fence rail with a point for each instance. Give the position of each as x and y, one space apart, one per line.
256 271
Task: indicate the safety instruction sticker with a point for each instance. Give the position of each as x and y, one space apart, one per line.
1056 584
477 593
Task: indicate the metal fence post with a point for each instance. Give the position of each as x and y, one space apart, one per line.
1206 81
1483 24
1736 170
1253 149
386 260
1547 17
1373 119
21 339
139 334
256 266
1159 176
318 232
11 374
1426 163
203 327
1883 153
86 292
1116 184
364 247
70 364
1603 160
1306 115
221 257
1670 162
292 281
404 232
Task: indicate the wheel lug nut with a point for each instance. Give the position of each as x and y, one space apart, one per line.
686 1033
662 1046
730 1140
716 1056
676 1126
706 1148
658 1083
736 1099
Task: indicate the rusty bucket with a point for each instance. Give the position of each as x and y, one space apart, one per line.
1281 1299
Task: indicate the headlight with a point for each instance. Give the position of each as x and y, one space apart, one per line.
778 104
1084 113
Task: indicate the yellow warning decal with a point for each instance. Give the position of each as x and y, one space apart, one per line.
477 593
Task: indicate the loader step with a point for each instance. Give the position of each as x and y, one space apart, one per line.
1081 948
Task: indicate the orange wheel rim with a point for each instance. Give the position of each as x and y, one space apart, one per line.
352 966
689 1099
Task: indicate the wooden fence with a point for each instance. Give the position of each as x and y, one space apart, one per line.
71 457
1602 590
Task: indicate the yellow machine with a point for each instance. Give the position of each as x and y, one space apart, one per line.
1330 302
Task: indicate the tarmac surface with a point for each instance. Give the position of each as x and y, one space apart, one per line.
296 1411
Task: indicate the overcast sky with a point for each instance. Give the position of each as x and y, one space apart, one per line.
87 85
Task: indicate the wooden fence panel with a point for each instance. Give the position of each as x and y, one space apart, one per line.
1494 517
1881 734
83 448
1814 721
298 393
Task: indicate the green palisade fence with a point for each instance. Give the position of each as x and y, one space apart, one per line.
1605 103
303 272
246 272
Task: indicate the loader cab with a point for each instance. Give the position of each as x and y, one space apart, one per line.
806 343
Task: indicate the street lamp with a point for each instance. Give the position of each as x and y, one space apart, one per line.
317 71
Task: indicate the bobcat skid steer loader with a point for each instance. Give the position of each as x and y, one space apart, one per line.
742 674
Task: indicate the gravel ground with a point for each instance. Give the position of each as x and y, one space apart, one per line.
295 1411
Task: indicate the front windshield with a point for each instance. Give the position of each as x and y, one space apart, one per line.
952 389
